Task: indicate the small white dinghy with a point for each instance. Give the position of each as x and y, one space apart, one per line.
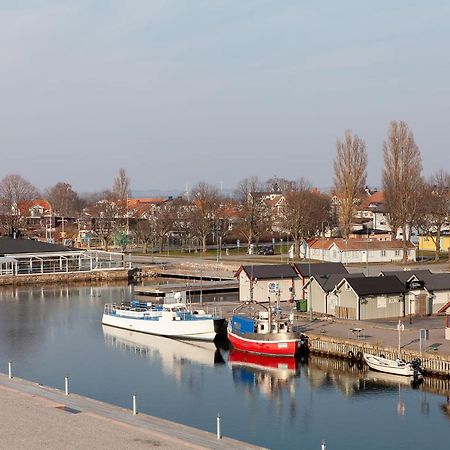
393 366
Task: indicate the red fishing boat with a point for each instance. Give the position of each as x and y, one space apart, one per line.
264 332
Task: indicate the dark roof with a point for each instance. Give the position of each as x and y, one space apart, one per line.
365 286
329 282
268 271
437 281
8 246
326 268
405 275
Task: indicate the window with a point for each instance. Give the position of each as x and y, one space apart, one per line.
383 252
397 252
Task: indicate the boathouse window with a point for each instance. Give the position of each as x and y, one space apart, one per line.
383 252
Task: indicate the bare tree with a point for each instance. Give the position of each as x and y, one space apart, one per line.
14 190
305 212
63 199
350 171
402 179
206 202
254 217
144 233
103 219
435 208
121 192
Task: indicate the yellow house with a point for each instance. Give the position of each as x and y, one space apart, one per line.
428 243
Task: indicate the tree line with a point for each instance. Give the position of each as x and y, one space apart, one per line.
410 201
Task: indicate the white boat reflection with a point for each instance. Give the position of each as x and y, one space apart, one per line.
174 355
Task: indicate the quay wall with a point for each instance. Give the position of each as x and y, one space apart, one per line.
432 363
97 275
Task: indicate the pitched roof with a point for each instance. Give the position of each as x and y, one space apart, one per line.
26 205
377 198
9 246
329 282
359 244
306 269
437 282
366 286
405 275
268 271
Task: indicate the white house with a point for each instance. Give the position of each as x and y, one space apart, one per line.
349 251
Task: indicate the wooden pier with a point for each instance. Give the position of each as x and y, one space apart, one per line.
191 288
333 346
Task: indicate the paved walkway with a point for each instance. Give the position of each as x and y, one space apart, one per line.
37 417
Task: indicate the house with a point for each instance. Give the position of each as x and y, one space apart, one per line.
364 298
306 270
349 251
372 208
319 290
268 282
428 242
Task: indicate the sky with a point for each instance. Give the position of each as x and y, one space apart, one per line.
182 91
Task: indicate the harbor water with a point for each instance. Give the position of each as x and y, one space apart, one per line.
49 332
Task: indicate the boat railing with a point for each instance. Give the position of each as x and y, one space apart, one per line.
110 308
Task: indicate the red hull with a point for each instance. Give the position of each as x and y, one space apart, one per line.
264 361
262 347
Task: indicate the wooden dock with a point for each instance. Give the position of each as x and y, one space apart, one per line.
191 288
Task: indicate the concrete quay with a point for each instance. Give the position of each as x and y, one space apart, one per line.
33 416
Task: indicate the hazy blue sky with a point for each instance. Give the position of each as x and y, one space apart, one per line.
184 90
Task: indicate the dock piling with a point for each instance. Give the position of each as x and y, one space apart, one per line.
134 405
66 385
9 369
219 432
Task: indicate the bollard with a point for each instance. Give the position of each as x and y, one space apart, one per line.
323 445
66 385
9 369
219 433
134 405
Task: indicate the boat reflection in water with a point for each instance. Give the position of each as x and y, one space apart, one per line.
175 355
267 373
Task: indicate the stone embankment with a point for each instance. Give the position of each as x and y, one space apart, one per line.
96 275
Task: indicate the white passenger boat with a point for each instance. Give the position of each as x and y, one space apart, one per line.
393 366
175 320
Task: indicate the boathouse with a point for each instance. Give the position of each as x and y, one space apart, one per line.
319 291
364 298
306 270
268 282
427 291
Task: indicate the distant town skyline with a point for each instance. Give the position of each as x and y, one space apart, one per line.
178 92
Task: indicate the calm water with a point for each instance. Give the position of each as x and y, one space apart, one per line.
50 332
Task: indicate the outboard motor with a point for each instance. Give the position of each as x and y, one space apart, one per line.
416 365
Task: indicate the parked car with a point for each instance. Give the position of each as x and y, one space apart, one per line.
265 250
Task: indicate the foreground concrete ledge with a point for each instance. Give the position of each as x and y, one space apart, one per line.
56 420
